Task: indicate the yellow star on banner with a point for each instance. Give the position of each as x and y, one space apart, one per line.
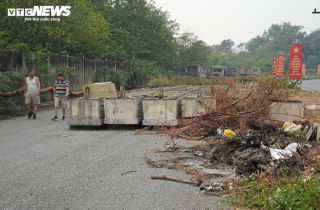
296 50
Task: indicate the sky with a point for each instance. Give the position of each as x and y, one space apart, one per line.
239 20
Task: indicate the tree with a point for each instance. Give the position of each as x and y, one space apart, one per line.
191 50
140 30
311 49
312 62
74 33
227 44
255 43
281 35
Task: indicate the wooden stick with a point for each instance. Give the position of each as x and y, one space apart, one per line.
127 172
163 177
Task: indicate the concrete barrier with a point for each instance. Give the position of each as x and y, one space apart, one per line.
287 111
193 106
85 112
161 111
123 111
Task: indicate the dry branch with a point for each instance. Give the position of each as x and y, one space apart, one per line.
163 177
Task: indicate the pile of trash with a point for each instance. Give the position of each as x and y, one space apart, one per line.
241 137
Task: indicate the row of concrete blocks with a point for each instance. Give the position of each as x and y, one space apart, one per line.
166 112
133 111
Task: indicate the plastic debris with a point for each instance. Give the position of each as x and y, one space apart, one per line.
225 132
312 107
289 151
214 187
291 128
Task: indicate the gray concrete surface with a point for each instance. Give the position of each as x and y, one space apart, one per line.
44 165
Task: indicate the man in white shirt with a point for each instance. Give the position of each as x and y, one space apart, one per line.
32 93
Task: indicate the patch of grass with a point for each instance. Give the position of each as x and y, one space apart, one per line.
301 192
295 193
304 77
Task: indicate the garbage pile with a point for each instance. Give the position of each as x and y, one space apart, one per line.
241 137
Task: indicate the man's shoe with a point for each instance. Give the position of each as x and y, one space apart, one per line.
55 118
30 114
63 117
34 116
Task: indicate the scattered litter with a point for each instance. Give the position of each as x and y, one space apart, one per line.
198 153
213 188
225 132
257 146
278 154
291 128
313 107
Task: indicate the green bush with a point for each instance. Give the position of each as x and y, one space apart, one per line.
10 81
118 77
295 193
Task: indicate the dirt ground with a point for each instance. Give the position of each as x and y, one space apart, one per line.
309 98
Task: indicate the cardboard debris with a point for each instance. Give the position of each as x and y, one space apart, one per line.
311 130
100 90
318 131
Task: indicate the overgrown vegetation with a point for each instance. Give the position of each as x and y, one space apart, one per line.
311 77
139 32
283 190
10 81
285 193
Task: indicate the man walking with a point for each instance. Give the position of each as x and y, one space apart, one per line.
60 95
32 93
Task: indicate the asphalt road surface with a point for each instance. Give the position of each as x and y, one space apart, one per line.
44 165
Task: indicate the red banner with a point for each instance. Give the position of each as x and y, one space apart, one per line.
295 63
274 67
281 58
318 72
303 69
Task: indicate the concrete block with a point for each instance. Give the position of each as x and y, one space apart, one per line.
193 106
287 111
243 88
123 111
87 112
161 112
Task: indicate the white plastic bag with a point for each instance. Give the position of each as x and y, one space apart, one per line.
278 154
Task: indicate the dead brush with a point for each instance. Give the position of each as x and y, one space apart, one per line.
235 108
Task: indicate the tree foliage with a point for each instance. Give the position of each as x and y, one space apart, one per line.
191 50
138 32
260 50
82 31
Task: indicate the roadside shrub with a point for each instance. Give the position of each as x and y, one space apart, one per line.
10 81
295 193
118 77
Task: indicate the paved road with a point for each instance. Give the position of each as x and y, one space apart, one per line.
44 165
311 84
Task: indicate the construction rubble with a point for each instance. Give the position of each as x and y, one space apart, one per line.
240 139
